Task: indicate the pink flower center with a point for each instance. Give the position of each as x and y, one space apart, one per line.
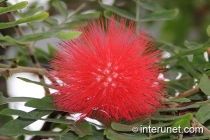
108 75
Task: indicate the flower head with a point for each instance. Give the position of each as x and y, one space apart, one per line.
108 73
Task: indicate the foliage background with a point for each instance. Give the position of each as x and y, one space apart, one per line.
182 33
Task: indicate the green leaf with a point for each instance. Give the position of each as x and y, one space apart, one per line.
2 57
39 113
87 16
21 137
43 104
203 114
69 25
22 114
190 45
208 30
34 18
112 135
149 5
180 100
4 100
11 127
15 132
8 41
82 128
18 99
198 137
179 108
207 67
1 1
59 7
15 7
39 36
207 73
67 136
183 121
118 11
35 114
108 14
168 45
184 62
67 35
128 128
160 124
34 82
33 11
35 36
165 118
160 135
41 55
124 127
12 60
20 123
205 84
49 22
187 52
62 121
51 50
161 15
97 135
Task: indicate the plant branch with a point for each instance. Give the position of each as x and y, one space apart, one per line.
5 138
47 126
11 71
187 93
29 50
196 124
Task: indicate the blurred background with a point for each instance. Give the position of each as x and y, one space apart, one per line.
188 26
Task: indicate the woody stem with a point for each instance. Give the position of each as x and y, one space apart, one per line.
187 93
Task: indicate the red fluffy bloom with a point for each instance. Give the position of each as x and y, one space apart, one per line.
108 73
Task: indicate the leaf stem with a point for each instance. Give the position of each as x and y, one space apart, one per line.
11 71
150 134
137 16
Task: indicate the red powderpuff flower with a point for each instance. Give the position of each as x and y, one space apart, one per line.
108 73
